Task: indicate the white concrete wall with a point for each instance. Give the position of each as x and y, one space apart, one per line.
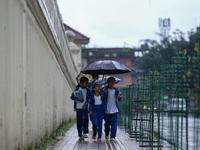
37 73
76 51
79 44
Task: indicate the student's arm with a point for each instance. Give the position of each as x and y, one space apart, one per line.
73 97
104 103
119 96
101 90
88 95
91 104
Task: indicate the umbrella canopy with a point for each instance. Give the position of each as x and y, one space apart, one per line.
103 81
89 76
105 67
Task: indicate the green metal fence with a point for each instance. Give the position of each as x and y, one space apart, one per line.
162 111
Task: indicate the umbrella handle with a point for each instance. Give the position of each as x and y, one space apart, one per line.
103 77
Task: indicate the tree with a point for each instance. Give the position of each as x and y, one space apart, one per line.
156 53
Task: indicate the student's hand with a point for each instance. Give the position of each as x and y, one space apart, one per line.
80 99
75 95
84 107
105 90
118 96
106 113
90 112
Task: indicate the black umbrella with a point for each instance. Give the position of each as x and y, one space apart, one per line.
105 67
89 76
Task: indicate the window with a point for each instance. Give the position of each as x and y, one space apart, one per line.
114 54
90 53
107 55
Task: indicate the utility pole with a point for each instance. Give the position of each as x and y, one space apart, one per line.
164 25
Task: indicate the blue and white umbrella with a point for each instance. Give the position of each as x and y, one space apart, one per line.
103 81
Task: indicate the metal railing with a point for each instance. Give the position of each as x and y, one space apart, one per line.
162 111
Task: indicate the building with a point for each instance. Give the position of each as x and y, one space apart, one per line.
122 55
37 73
76 41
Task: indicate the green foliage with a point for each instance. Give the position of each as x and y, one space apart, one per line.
156 135
156 53
126 49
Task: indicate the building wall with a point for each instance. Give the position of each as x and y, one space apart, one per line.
79 57
76 55
127 61
84 62
127 79
37 73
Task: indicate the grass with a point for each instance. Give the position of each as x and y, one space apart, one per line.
47 141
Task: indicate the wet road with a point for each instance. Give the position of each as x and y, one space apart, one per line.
70 142
175 130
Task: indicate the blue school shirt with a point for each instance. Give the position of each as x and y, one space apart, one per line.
105 98
90 84
87 97
92 101
111 102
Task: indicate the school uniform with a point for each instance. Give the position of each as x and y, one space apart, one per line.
82 115
89 87
110 104
95 105
90 84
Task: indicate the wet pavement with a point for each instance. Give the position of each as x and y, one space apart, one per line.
71 142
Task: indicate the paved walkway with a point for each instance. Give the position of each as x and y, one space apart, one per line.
70 142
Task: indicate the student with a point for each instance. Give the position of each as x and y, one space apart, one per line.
111 96
94 78
81 108
96 111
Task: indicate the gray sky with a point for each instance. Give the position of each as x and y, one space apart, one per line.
109 23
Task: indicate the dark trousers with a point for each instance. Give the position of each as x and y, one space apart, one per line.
82 121
97 116
111 122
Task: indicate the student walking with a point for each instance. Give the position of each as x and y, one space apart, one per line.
94 78
90 84
81 107
96 111
111 96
